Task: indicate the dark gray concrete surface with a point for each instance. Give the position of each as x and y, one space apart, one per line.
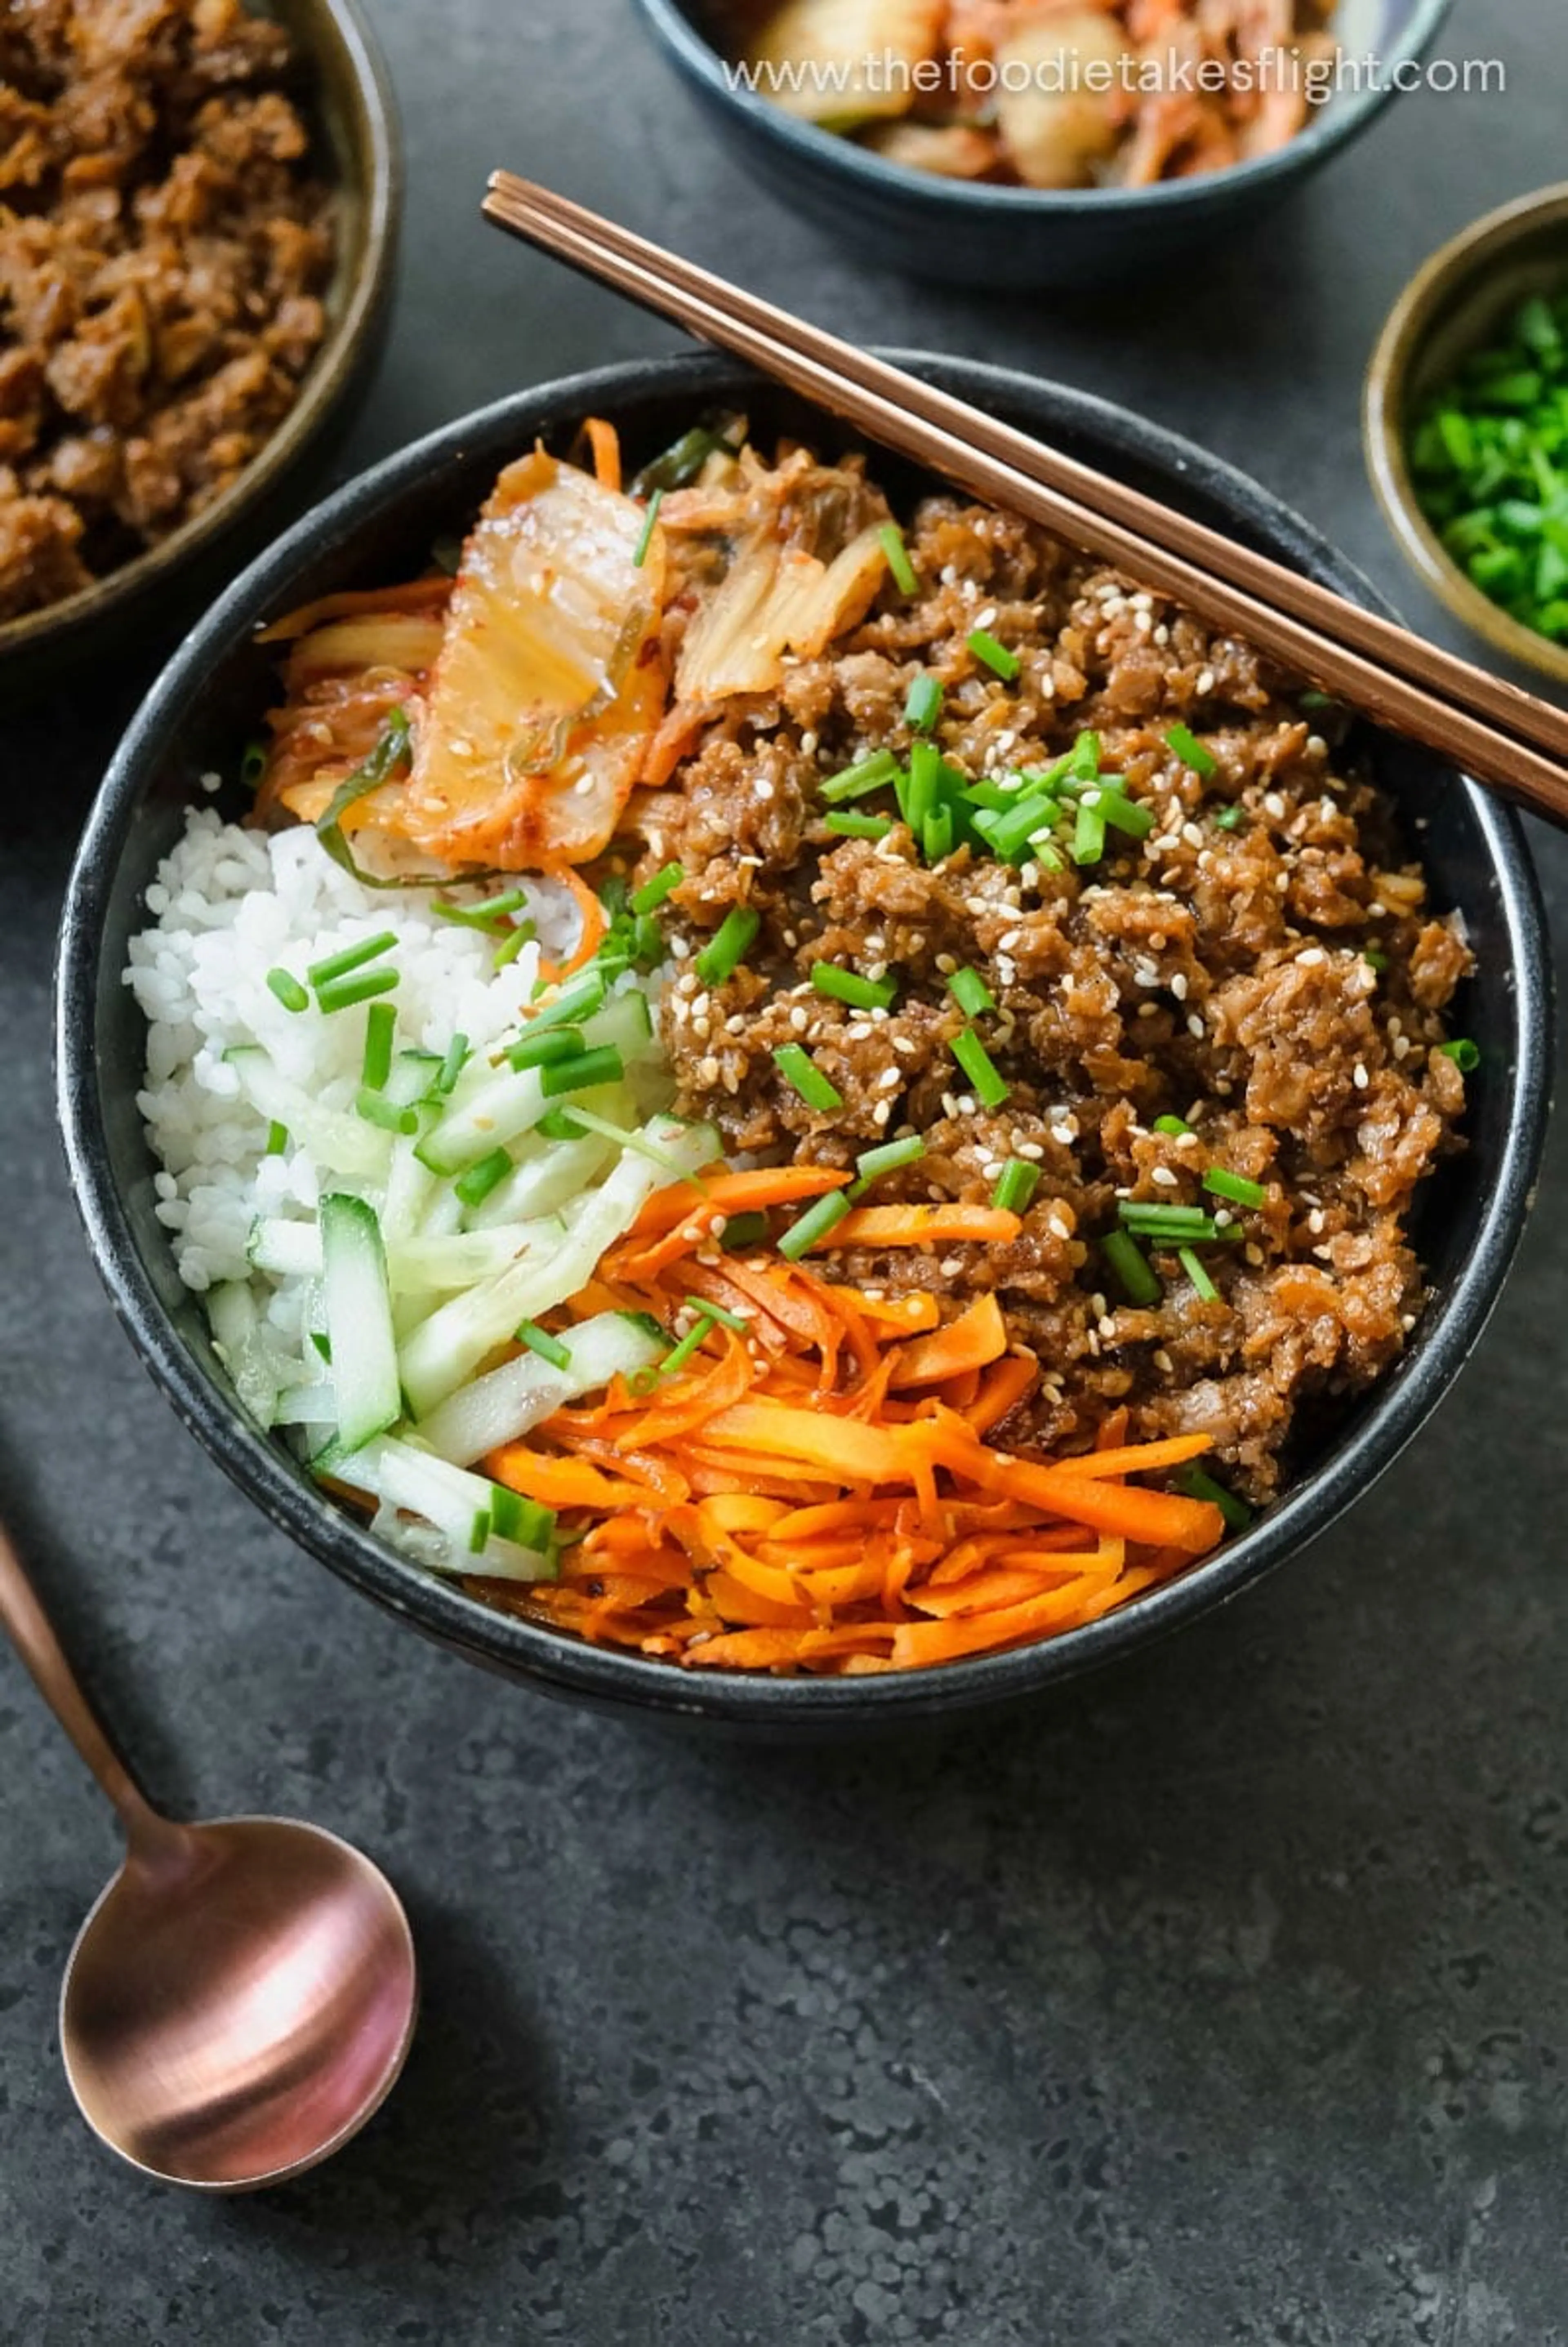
1221 2002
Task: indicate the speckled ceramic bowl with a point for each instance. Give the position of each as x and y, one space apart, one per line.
207 703
975 234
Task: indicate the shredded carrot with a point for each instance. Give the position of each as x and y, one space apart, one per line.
605 442
976 1338
885 1227
591 932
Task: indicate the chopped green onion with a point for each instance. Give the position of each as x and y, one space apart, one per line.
937 836
716 1312
511 947
743 1231
542 1050
682 462
1230 818
1235 1187
549 1348
1015 1185
923 705
578 998
344 993
821 1216
487 915
1088 836
1191 752
446 553
287 990
1375 958
479 1532
335 966
1196 1485
1131 1267
1150 1215
1465 1055
996 657
1083 758
991 1087
801 1071
1124 814
722 955
389 752
560 1125
652 893
452 1066
1193 1266
528 1523
323 1344
645 540
897 554
870 774
1012 835
392 1116
849 985
380 1027
1172 1124
922 789
1313 699
970 992
277 1139
604 1066
252 765
859 826
886 1158
475 1186
678 1355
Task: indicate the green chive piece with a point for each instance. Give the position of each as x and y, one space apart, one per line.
543 1050
1083 758
849 985
335 966
287 990
1465 1055
452 1066
1172 1124
487 915
1191 752
995 657
579 999
716 1312
857 827
824 1215
1314 700
252 765
645 540
937 836
1088 836
886 1158
604 1066
559 1124
345 993
1193 1266
380 1027
392 1116
652 893
801 1071
391 750
871 774
479 1532
991 1087
1375 958
1196 1485
549 1348
897 554
724 951
526 1522
743 1231
1015 1185
970 992
923 705
678 1357
1132 1270
1235 1187
511 947
475 1186
1125 814
1014 837
277 1140
1231 818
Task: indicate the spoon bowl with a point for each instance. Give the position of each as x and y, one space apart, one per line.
239 2002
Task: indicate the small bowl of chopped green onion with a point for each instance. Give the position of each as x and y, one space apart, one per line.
1466 427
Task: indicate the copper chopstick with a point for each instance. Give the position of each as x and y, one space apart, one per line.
1430 697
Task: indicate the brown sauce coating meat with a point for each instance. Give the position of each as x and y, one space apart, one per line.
1218 975
163 251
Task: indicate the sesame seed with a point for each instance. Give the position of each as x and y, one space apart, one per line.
1194 1023
708 1070
1314 1221
1361 1078
1165 1178
798 1019
1163 1361
1107 1326
1191 834
1254 1254
1312 959
951 1265
890 1079
1178 987
1033 1149
1206 683
1148 1010
1273 804
1097 1305
881 1111
679 948
1315 746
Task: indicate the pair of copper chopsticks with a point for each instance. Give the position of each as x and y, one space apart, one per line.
1502 736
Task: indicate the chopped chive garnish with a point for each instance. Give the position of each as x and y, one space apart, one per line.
1193 1266
1013 835
678 1357
1172 1124
937 836
511 947
1191 752
923 705
897 554
716 1312
526 1522
801 1071
1313 699
335 966
381 1027
578 998
1235 1186
475 1186
542 1050
868 774
1196 1485
645 540
849 985
1465 1055
479 1532
344 993
821 1216
253 764
1375 958
859 826
277 1139
1015 1185
452 1066
1083 758
922 791
604 1066
723 953
1180 1222
392 747
392 1116
323 1344
996 657
886 1158
652 893
1124 814
1088 836
487 915
970 992
549 1348
743 1231
1132 1272
1045 856
989 1086
1230 818
560 1124
287 990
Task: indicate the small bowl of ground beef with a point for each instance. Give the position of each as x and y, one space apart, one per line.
198 215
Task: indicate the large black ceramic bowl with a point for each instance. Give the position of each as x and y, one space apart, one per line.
208 701
973 233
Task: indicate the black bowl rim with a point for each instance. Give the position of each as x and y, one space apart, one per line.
324 385
601 1677
1336 126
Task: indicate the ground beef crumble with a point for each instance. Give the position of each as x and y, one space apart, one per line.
1218 974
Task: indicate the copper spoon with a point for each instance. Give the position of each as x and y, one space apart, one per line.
241 1997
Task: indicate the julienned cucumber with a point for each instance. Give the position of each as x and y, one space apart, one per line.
506 1402
490 1109
359 1319
404 1476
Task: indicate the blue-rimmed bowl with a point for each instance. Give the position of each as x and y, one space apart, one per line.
972 233
208 701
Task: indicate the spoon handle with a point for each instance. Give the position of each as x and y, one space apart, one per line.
33 1635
